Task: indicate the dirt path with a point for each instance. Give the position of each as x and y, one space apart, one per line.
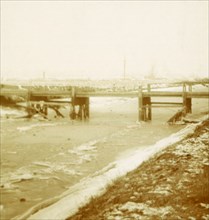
172 185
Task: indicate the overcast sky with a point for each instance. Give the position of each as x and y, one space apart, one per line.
91 38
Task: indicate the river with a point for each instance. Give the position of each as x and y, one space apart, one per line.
41 159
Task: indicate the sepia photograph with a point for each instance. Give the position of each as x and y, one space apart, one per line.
104 110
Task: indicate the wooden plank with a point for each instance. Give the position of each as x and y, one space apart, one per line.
8 92
166 103
58 101
177 94
162 94
124 94
51 93
198 94
166 106
59 114
177 116
107 94
50 103
32 111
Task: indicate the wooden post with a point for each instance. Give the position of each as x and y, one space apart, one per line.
72 110
140 105
149 103
87 108
190 87
80 112
189 100
28 98
145 107
29 104
184 99
73 95
45 109
188 105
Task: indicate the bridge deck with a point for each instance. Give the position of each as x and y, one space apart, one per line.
131 94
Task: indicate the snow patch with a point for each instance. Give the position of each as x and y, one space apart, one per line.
144 209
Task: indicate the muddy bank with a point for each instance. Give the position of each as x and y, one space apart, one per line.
172 185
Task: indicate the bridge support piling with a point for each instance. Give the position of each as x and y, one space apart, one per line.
188 105
144 105
149 103
45 109
83 103
184 97
141 109
187 101
147 108
29 106
87 108
72 110
80 112
83 110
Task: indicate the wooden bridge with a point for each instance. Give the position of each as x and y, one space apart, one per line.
38 101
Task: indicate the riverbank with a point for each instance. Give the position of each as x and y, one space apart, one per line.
174 184
42 159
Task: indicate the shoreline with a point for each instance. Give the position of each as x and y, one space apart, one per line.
70 203
56 157
173 184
